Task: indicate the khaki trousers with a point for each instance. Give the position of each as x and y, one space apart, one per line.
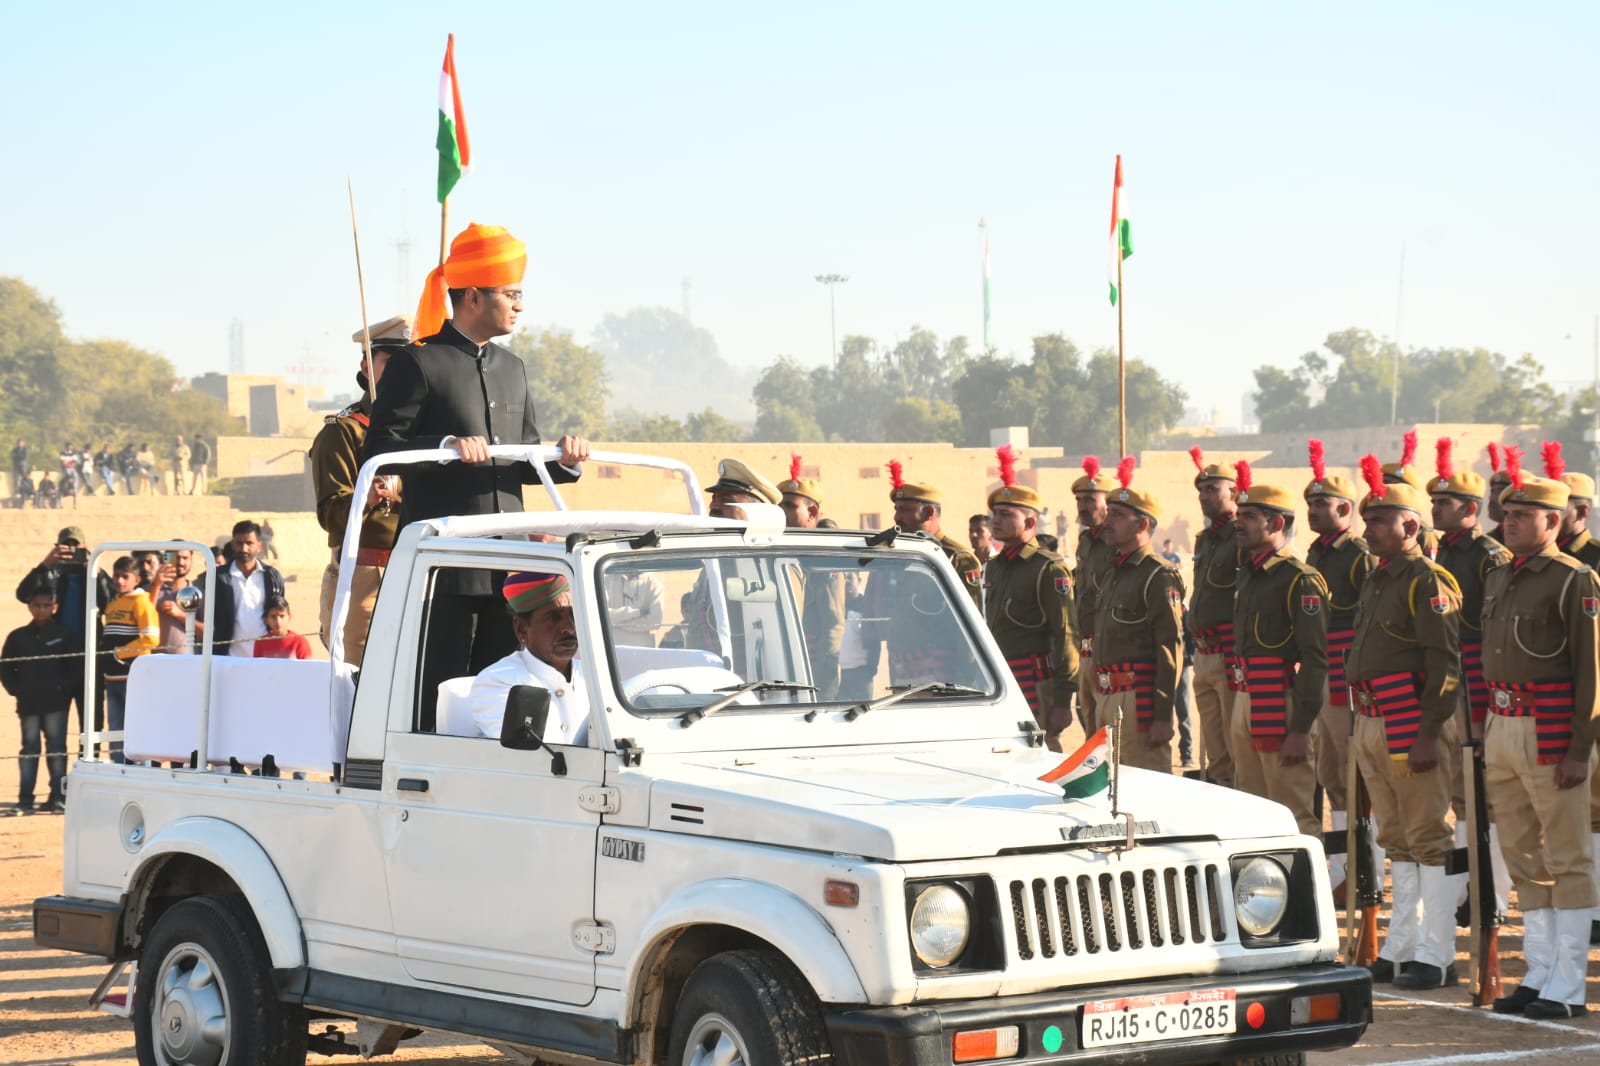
1088 695
1543 835
1410 808
1135 752
1260 773
1332 737
1214 700
358 619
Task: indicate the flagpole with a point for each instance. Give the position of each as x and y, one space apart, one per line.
1122 366
361 288
444 228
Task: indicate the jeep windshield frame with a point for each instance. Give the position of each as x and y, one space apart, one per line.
825 627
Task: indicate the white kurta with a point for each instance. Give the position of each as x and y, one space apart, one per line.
569 704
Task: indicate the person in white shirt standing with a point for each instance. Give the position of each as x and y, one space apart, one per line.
243 589
546 656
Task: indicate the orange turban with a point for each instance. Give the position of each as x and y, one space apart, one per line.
484 256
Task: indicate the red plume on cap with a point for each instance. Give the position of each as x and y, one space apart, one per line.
1125 471
1091 466
1444 462
1319 468
1554 465
794 467
897 474
1514 465
1245 478
1198 456
1372 474
1007 456
1494 457
1409 455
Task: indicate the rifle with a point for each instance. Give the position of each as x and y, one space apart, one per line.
1363 885
1476 860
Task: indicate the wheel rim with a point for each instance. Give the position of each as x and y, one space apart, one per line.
715 1042
190 1014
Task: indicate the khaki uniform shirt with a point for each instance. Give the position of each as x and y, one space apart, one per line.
1280 612
335 462
1027 602
1408 621
1344 563
1139 619
966 565
1216 573
1469 556
1095 563
1583 548
1541 622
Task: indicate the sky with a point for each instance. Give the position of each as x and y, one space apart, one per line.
173 169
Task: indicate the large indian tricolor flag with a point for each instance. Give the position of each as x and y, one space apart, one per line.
455 153
1121 245
1087 771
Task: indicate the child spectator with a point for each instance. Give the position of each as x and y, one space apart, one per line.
131 630
43 689
281 642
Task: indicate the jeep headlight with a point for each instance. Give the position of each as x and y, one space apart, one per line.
1260 896
941 924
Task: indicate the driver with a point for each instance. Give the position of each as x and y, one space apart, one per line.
546 656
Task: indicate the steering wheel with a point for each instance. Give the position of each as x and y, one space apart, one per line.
684 679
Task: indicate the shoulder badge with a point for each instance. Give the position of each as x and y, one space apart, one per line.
1311 603
974 577
1591 606
1440 604
1063 585
1175 596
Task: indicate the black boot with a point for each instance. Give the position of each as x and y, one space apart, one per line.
1594 933
1423 975
1517 1001
1549 1008
1382 971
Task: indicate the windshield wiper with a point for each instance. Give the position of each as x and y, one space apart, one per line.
689 718
902 692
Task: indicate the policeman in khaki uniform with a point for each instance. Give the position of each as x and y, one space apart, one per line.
1403 669
919 508
1093 570
1027 602
822 614
1280 634
335 462
1469 555
1216 572
1407 472
1541 624
1498 480
1138 630
1576 541
1344 562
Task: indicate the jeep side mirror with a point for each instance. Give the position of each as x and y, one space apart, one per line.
522 728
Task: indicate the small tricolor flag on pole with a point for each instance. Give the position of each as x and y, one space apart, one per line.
1087 771
1121 235
455 153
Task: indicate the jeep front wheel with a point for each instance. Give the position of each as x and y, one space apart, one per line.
204 994
748 1008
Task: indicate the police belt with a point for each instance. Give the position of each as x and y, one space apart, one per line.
368 556
1512 704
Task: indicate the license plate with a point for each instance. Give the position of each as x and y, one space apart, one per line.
1173 1016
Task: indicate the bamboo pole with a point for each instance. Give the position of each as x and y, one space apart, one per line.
1122 366
361 288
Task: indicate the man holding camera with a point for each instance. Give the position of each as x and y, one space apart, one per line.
64 572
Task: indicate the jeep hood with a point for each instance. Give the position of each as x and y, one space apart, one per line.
943 802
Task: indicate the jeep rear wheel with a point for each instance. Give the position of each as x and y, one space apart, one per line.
748 1008
204 995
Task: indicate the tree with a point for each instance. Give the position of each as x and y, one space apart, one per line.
710 427
1283 398
917 419
665 360
782 422
1523 396
568 383
653 429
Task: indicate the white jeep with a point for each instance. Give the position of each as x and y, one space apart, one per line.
761 853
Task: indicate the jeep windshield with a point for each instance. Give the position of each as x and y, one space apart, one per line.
774 628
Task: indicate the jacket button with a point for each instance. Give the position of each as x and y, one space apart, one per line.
491 403
560 692
497 438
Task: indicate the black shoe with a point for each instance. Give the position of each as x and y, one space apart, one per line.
1594 933
1464 914
56 806
1549 1008
19 809
1382 971
1517 1001
1422 975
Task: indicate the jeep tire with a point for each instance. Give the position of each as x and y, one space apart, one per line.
204 995
748 1008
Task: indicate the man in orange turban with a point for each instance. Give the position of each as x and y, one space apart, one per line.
457 388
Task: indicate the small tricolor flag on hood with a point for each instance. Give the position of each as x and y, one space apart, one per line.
1087 771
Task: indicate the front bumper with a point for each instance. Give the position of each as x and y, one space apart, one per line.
922 1034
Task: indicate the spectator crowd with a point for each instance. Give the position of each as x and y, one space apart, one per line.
132 470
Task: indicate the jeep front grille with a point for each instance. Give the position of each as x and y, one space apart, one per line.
1117 911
